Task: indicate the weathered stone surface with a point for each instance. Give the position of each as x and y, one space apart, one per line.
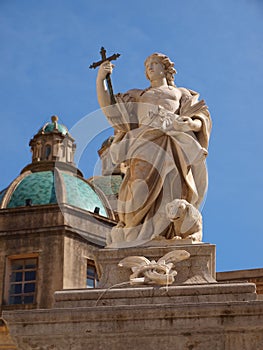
159 325
199 268
216 292
31 220
251 275
62 250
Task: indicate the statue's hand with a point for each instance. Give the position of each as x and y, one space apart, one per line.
105 69
186 124
167 123
167 118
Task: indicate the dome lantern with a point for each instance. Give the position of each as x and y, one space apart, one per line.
53 143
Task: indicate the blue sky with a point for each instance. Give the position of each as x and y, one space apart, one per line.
47 47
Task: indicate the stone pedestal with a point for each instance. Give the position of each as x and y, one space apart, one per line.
199 268
197 317
175 295
196 313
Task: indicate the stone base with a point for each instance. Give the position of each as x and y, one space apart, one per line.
199 268
198 317
197 313
176 295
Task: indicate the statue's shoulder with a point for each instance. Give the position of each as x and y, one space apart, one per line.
185 91
131 95
188 93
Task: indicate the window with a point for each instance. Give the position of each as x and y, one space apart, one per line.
22 281
92 276
47 152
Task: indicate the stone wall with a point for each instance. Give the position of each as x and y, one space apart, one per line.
251 275
151 318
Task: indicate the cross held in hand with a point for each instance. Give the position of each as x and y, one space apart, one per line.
104 58
108 79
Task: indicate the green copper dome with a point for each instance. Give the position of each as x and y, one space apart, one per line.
39 189
80 194
50 127
52 177
54 126
109 185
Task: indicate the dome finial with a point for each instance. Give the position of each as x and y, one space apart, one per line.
54 118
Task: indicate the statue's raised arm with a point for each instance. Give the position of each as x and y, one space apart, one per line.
105 98
103 94
162 137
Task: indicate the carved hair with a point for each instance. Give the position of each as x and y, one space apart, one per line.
169 72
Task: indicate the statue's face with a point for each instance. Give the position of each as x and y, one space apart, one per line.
154 68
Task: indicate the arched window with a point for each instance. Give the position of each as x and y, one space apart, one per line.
47 152
92 276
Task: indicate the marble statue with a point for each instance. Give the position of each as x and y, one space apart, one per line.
161 136
187 220
160 272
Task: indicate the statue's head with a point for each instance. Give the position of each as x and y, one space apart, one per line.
168 66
